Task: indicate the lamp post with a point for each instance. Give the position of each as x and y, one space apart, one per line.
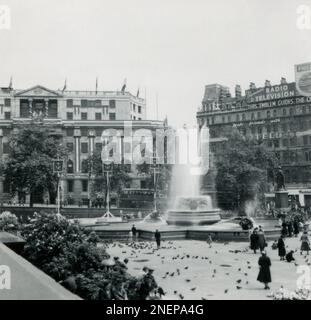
58 168
155 168
107 168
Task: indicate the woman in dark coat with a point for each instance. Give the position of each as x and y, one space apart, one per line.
281 247
305 243
264 275
157 236
254 241
261 239
296 228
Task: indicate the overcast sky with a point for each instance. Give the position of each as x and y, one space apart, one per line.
169 47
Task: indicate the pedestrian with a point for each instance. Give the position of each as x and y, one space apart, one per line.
209 240
281 248
305 243
290 228
157 236
284 229
134 231
261 239
290 257
296 228
264 275
254 240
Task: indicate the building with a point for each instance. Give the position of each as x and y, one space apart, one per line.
275 113
79 118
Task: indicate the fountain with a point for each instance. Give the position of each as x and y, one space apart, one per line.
195 210
189 206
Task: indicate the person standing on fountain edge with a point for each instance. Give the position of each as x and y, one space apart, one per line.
264 275
134 232
157 236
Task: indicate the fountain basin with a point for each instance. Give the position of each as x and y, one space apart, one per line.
193 218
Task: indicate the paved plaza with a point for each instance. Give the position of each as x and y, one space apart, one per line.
192 270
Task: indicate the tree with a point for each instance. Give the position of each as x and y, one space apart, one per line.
29 165
244 167
118 179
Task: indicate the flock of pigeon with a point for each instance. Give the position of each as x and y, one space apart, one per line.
182 263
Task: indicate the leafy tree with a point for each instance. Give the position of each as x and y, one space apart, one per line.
29 168
65 252
118 179
244 167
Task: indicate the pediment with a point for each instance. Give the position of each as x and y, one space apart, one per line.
38 91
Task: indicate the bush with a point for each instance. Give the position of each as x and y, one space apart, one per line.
69 254
8 221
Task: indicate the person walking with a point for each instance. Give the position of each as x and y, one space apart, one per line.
261 239
284 229
290 228
281 248
264 274
305 243
296 228
157 236
254 241
134 232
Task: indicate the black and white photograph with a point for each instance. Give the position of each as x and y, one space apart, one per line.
155 151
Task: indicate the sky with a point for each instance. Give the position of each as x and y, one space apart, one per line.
169 48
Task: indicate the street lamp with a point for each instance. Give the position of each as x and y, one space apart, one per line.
155 168
58 168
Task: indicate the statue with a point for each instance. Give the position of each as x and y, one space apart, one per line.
280 180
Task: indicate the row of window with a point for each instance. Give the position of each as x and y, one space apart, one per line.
98 116
260 115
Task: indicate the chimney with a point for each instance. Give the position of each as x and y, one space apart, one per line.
252 86
267 83
283 81
238 91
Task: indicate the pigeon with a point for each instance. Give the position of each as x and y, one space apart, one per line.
175 292
188 280
239 281
245 274
186 268
181 296
239 269
226 290
238 287
192 289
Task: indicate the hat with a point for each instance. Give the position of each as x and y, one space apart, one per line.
264 252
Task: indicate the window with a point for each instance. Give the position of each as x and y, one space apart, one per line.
259 130
84 185
306 156
69 103
6 131
69 166
284 112
98 132
98 116
229 118
143 184
285 142
83 103
276 143
98 146
291 111
69 116
70 146
83 115
252 116
69 132
293 141
7 102
70 184
134 107
243 117
305 140
112 103
84 147
275 113
24 109
303 109
84 166
268 114
84 132
112 116
258 115
223 119
52 109
139 109
237 117
7 115
5 148
98 103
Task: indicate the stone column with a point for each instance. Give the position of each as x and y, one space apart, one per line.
91 141
46 108
77 137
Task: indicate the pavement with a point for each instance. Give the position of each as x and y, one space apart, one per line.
189 269
20 280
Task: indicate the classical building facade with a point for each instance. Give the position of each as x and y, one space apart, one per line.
276 114
79 118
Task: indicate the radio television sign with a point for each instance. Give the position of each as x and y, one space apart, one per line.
303 78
